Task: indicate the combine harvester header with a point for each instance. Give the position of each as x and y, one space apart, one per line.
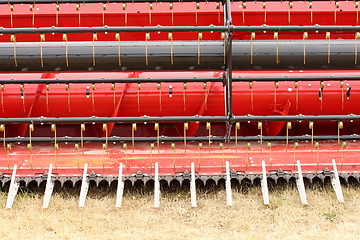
169 94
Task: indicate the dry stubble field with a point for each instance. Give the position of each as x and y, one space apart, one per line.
285 218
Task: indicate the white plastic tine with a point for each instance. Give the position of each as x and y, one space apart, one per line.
156 187
193 186
229 200
335 182
14 186
264 185
120 187
84 187
49 188
300 184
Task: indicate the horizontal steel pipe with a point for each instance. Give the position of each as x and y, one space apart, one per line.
110 80
119 1
181 139
181 80
156 55
230 28
97 1
173 119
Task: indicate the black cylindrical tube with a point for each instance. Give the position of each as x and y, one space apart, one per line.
187 55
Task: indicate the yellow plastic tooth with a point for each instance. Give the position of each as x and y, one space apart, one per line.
152 146
79 15
276 86
33 14
237 128
251 85
173 147
221 146
270 153
276 37
296 86
260 127
13 39
117 38
93 87
243 12
82 130
296 145
290 7
311 12
342 94
223 37
343 146
340 126
157 129
67 88
252 38
264 7
11 14
218 7
288 126
184 95
124 7
186 127
322 84
151 7
329 47
196 12
317 145
133 129
160 96
95 38
311 127
47 97
56 146
42 39
57 14
199 148
2 97
104 7
357 37
126 154
22 92
208 127
356 3
147 38
199 39
248 146
337 5
138 95
305 37
65 39
170 38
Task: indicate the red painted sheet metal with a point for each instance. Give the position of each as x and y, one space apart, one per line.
70 162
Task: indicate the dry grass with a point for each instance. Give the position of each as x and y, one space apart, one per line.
285 218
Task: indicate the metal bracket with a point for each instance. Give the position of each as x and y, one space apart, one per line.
186 175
